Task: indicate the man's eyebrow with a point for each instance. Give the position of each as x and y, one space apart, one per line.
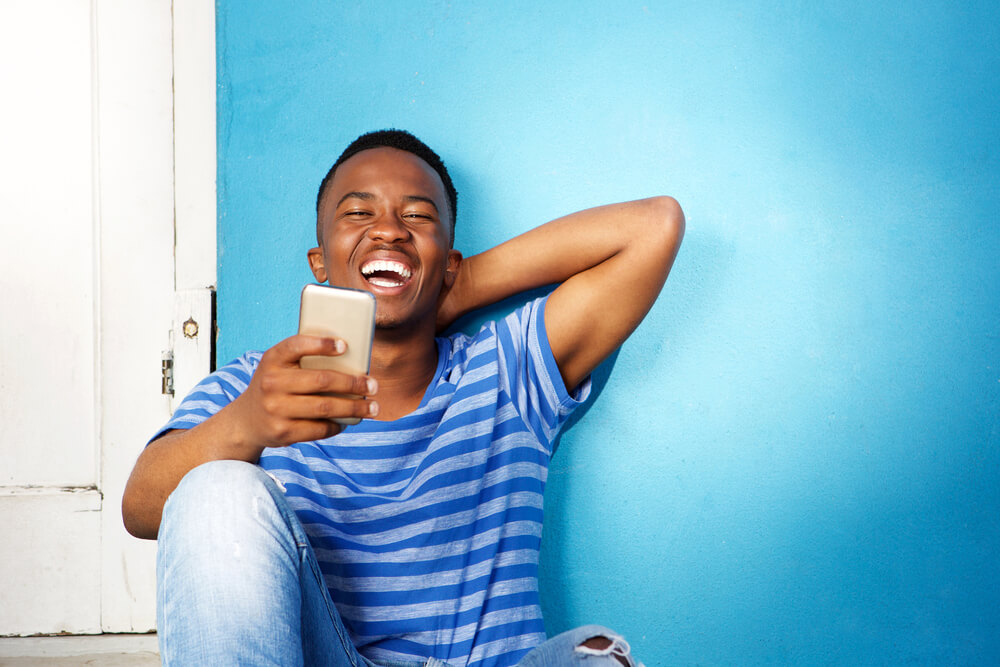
417 198
367 196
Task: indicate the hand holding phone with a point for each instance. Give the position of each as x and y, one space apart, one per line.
347 314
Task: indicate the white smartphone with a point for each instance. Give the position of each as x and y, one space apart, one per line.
339 312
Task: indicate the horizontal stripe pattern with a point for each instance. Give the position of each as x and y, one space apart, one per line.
427 529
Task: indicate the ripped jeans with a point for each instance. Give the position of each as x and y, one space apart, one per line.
568 649
209 613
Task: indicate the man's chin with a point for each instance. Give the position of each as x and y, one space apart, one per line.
392 320
388 324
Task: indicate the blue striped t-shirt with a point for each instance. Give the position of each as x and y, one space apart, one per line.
427 528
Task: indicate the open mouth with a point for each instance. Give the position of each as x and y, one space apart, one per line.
386 273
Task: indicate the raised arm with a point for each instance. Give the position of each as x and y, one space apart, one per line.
611 262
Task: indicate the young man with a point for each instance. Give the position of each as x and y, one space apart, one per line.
411 538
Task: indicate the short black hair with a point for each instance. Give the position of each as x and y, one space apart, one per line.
401 140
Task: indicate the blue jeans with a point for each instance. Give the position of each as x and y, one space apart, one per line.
238 584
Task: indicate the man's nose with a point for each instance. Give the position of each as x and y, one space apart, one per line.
388 228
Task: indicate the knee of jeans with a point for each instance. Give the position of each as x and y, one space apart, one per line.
216 489
602 642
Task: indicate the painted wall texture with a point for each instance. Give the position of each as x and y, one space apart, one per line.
795 458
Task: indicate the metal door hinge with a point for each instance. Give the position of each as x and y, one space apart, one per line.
167 371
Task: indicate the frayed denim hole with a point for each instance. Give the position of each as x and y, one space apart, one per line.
617 647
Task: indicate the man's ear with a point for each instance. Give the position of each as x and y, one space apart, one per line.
451 271
315 256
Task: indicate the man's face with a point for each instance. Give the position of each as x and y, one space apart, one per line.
385 227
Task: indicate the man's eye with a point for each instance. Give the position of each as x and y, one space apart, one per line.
418 216
356 214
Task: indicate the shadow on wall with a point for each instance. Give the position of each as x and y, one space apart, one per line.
599 379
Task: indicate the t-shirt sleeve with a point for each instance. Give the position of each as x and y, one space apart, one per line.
529 371
213 393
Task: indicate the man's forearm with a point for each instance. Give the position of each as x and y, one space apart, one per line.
553 252
165 461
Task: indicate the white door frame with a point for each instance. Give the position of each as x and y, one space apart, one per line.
195 202
128 580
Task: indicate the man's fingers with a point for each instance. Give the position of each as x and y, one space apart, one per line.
290 418
289 351
286 403
304 430
309 381
325 381
330 407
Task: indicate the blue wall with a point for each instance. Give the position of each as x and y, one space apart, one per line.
795 458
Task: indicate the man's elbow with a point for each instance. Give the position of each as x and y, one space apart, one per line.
140 516
135 522
665 225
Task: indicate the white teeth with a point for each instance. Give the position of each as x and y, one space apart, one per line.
381 282
385 265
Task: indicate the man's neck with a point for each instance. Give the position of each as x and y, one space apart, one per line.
403 363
